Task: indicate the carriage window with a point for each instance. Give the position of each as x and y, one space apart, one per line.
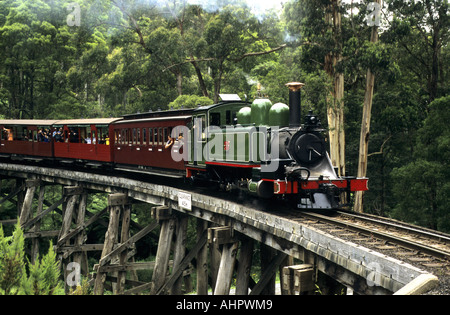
123 135
21 133
15 132
139 139
214 119
144 136
103 135
228 118
160 136
150 136
165 134
87 136
73 135
200 128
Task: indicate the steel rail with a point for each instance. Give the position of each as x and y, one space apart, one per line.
438 236
426 249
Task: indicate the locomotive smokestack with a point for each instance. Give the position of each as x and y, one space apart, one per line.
294 104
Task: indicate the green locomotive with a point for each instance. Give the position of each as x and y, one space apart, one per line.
263 148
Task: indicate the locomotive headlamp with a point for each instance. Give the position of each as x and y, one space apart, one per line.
311 120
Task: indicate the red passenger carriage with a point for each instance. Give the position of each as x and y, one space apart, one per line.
85 139
26 139
140 143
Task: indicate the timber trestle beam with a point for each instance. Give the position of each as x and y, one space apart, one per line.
226 237
169 276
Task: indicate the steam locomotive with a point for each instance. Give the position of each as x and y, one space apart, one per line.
256 147
269 152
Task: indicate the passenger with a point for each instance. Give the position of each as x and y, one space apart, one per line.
47 135
88 140
44 135
73 136
169 142
10 135
104 140
58 135
41 136
24 134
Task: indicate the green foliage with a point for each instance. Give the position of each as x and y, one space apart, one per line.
42 277
82 289
134 57
190 101
426 178
12 265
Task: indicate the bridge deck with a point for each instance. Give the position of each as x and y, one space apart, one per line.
359 268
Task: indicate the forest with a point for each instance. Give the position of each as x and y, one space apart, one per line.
376 72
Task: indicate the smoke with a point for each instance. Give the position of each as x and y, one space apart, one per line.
257 7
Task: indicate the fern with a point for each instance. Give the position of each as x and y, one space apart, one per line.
43 275
12 263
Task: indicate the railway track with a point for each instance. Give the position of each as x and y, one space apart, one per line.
413 244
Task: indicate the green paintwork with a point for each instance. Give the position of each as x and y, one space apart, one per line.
260 112
279 115
244 116
220 116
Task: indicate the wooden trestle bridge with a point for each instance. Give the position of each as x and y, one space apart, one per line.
226 237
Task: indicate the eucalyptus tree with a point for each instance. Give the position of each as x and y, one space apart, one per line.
36 50
421 29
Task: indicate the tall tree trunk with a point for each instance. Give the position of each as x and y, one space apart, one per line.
200 77
217 78
336 103
179 83
435 65
365 126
